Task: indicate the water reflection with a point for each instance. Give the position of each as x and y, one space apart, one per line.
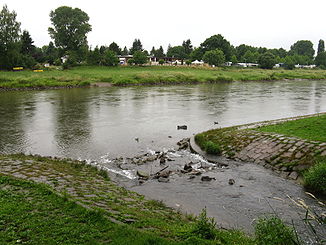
89 123
72 120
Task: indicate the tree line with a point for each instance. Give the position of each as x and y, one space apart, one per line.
70 27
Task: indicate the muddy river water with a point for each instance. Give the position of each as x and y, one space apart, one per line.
102 124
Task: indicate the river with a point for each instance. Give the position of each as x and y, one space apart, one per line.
100 124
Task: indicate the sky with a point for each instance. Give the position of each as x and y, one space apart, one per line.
260 23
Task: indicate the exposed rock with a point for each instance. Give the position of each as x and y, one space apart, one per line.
164 174
195 172
183 127
231 181
207 178
294 175
183 144
163 180
187 167
192 177
162 161
142 174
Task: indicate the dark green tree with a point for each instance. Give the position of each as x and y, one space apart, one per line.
289 63
153 51
303 47
267 60
196 54
136 46
217 42
27 47
115 48
9 39
320 60
125 51
187 47
94 57
321 46
177 52
103 49
110 58
70 28
51 53
139 58
214 57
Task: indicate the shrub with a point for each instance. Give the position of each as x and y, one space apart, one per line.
212 148
161 61
315 178
272 231
204 227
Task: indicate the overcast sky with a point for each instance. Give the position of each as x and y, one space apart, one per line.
272 24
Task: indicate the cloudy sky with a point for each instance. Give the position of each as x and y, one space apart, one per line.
269 23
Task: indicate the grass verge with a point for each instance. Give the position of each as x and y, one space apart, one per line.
311 128
122 76
34 213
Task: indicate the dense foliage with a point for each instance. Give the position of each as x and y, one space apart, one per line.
70 27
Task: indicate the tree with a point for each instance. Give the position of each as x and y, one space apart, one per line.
187 47
27 46
177 52
94 57
70 27
9 39
196 54
115 48
320 59
214 57
289 63
267 60
125 51
303 47
321 46
51 53
136 46
153 51
217 42
139 58
110 58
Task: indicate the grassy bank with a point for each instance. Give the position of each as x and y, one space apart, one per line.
312 128
120 76
80 205
292 146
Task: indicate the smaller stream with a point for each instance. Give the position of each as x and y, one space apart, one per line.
237 194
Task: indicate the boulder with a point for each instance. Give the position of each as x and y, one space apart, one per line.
183 127
163 180
231 181
142 174
207 178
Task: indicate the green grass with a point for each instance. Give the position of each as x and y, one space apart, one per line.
121 76
33 213
312 128
315 177
272 231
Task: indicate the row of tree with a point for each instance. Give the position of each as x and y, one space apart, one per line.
70 27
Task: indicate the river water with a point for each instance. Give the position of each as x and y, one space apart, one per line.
90 123
100 124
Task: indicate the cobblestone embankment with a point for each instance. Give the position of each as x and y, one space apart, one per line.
287 156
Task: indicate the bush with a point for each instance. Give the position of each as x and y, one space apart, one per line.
161 61
272 230
204 227
315 178
212 148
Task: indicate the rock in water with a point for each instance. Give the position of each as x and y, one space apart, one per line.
163 180
231 181
183 127
207 178
142 174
